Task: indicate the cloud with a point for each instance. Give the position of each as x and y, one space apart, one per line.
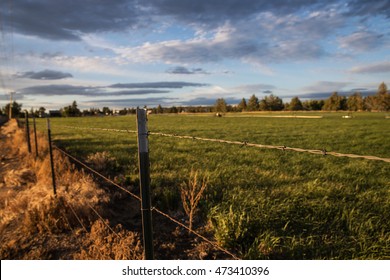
71 20
363 41
254 88
204 101
326 86
379 67
172 85
136 102
63 90
185 71
66 20
16 97
44 75
259 40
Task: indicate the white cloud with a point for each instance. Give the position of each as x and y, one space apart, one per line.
363 41
325 86
379 67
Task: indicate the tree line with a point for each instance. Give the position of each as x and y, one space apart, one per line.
355 102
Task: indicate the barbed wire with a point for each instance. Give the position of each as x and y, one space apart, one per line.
322 152
195 233
153 209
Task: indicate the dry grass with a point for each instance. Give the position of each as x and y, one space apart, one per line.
31 216
191 192
103 244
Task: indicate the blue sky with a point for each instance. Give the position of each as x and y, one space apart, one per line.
128 53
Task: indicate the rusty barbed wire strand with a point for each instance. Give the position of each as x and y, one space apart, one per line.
98 174
195 233
153 208
243 143
75 214
102 219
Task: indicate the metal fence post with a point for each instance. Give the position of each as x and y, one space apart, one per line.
35 136
144 174
27 131
53 176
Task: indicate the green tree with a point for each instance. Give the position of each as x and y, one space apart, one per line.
106 111
335 103
313 105
16 109
71 110
355 102
220 106
271 103
41 112
159 109
296 104
253 103
242 105
382 98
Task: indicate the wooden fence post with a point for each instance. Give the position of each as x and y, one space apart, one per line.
53 176
144 174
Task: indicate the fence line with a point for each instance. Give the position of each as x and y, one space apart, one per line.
216 246
102 219
242 143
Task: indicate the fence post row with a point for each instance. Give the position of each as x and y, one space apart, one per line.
53 176
27 131
144 174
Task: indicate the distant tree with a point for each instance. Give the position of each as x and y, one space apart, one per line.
295 104
271 103
16 109
369 103
313 105
355 102
41 112
107 111
253 103
71 110
173 110
159 109
220 106
382 98
335 103
242 105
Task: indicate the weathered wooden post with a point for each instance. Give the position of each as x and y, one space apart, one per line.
53 176
144 174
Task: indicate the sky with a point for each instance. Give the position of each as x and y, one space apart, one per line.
129 53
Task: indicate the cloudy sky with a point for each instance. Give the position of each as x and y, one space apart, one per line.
126 53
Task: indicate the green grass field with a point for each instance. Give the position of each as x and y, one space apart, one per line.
261 203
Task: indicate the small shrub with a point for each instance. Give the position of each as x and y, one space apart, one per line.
191 193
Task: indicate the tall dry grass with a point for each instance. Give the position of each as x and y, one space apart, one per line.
29 209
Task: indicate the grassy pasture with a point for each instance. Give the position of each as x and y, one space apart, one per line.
259 203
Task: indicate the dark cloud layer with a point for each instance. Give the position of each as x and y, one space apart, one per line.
172 85
181 70
63 90
68 20
44 75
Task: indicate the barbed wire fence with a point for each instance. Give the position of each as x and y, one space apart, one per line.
111 183
322 152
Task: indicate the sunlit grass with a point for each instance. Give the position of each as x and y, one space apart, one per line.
264 203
